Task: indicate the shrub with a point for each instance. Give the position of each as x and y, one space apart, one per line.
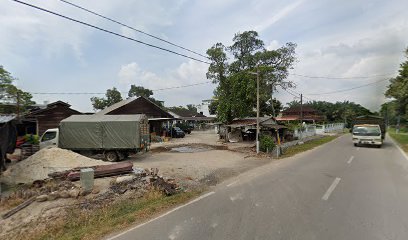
266 143
32 139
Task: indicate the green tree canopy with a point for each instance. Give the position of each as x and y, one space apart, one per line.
139 91
12 99
398 89
336 112
236 90
112 96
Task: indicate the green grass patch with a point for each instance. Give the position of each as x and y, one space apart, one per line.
100 222
401 139
307 146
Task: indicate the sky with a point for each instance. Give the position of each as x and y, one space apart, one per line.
353 42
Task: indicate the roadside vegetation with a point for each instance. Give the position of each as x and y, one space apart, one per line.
401 138
96 223
291 151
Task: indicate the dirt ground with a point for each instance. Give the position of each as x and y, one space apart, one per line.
208 137
197 157
196 161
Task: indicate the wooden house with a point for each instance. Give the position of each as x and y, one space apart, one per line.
309 114
159 118
46 118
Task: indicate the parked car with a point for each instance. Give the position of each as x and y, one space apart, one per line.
185 128
176 132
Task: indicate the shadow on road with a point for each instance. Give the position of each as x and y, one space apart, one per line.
384 145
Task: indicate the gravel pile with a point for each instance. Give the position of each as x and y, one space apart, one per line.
45 161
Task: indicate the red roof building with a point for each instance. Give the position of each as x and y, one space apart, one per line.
293 114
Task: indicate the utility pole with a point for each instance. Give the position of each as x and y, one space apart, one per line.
273 107
257 107
257 110
18 105
301 116
398 123
301 108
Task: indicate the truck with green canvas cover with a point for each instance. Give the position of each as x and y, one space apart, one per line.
115 136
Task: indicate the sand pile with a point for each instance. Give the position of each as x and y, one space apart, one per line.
46 161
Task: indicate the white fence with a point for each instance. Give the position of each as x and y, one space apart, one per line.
312 130
329 128
308 131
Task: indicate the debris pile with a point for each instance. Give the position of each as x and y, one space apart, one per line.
100 171
136 182
143 179
44 162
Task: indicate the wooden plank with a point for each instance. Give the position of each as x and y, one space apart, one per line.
18 208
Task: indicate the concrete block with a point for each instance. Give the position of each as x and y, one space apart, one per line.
87 179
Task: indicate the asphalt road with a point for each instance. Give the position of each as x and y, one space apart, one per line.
336 191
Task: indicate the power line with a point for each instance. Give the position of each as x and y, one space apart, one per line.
101 93
293 91
347 89
127 26
189 85
328 77
108 31
294 95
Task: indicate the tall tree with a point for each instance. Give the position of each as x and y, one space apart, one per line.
112 96
139 91
12 99
236 90
340 111
398 89
389 112
191 107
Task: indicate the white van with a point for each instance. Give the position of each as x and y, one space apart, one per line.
49 138
369 134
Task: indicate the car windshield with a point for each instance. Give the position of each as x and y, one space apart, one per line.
367 131
177 129
48 136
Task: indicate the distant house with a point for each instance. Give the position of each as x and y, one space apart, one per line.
294 114
192 117
158 117
244 129
38 121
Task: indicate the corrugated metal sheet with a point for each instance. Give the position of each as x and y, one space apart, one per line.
105 118
6 118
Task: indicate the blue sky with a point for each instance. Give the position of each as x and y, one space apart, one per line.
335 38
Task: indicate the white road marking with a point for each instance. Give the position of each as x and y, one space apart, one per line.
234 182
331 189
350 160
165 214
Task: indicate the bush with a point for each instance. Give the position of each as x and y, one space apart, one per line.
266 143
32 139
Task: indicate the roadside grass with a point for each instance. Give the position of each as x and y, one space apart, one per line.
291 151
401 139
100 222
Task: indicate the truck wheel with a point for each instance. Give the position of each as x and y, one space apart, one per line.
355 144
111 156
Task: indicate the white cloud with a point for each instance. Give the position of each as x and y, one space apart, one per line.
282 13
187 73
274 44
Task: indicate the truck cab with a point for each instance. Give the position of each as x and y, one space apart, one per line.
49 138
367 134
